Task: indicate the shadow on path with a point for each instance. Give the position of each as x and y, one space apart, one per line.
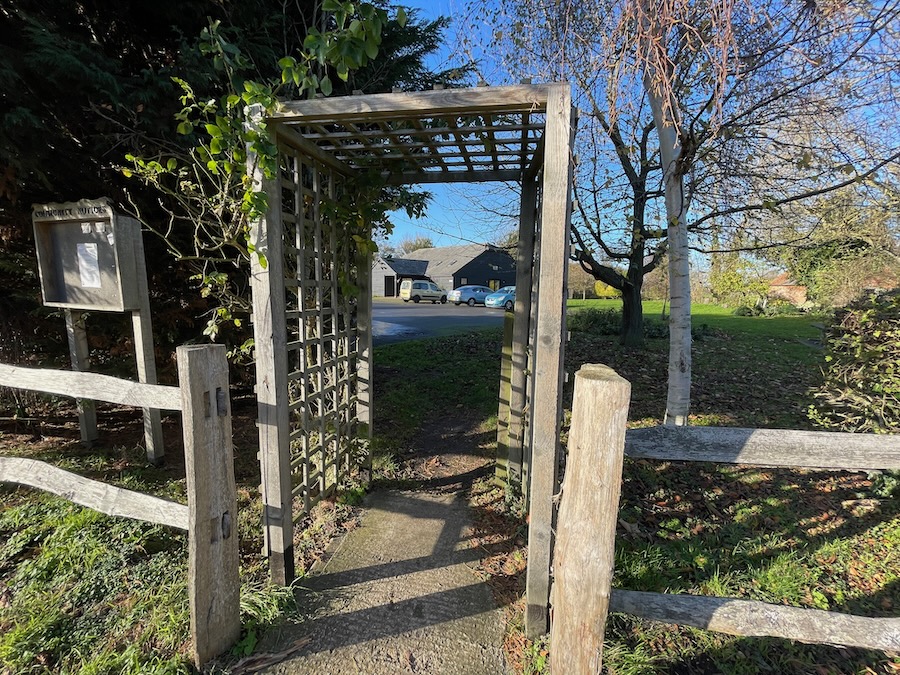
400 595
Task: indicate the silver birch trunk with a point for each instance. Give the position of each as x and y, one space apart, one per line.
678 399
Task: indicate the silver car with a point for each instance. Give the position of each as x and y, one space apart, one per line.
471 295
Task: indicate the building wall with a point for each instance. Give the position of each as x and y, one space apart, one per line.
492 268
383 279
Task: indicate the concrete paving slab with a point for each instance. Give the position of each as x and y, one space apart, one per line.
400 595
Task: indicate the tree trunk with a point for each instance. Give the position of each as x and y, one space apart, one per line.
632 315
678 399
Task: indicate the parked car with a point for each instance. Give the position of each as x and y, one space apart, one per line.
422 290
471 295
505 298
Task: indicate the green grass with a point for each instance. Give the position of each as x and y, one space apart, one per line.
87 593
808 539
426 376
84 593
721 318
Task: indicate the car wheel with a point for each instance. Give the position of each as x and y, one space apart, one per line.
457 303
405 300
443 299
471 302
508 305
416 299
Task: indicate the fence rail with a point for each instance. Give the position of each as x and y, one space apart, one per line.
108 499
210 516
830 450
91 386
751 618
583 557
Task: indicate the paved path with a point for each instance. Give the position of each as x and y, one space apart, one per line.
394 320
399 596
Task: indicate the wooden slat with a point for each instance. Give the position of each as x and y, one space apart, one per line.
484 176
750 618
291 137
548 359
91 386
108 499
510 146
766 447
421 104
452 128
521 330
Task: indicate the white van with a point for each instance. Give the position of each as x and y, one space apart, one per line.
421 290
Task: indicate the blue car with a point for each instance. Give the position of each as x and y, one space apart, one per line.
505 298
471 295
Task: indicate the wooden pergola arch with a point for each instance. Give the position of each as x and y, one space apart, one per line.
313 343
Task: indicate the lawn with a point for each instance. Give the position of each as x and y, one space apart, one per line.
814 539
81 592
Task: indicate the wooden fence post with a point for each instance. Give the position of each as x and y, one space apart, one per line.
586 528
213 579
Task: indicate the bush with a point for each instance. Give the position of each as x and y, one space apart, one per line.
861 391
597 321
782 309
744 310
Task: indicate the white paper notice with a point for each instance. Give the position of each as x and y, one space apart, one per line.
89 265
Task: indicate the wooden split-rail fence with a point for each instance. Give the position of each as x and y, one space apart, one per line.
210 516
588 511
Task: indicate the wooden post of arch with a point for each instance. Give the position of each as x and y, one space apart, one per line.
556 204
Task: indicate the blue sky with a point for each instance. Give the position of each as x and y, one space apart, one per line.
459 213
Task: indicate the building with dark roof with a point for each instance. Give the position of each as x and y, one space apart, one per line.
447 266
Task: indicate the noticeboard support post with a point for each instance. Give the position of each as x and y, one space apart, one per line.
143 350
81 362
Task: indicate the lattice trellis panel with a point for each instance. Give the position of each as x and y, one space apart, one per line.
320 265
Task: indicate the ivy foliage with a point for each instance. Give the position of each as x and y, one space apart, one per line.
861 389
212 193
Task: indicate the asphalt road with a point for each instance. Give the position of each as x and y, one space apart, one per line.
394 320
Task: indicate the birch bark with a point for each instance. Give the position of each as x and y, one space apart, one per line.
678 397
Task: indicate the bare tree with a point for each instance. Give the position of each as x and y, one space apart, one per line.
411 244
700 117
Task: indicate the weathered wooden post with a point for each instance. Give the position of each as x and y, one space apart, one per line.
213 564
586 528
81 362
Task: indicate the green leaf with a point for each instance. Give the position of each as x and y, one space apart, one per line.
371 48
401 16
171 164
184 128
325 86
213 130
